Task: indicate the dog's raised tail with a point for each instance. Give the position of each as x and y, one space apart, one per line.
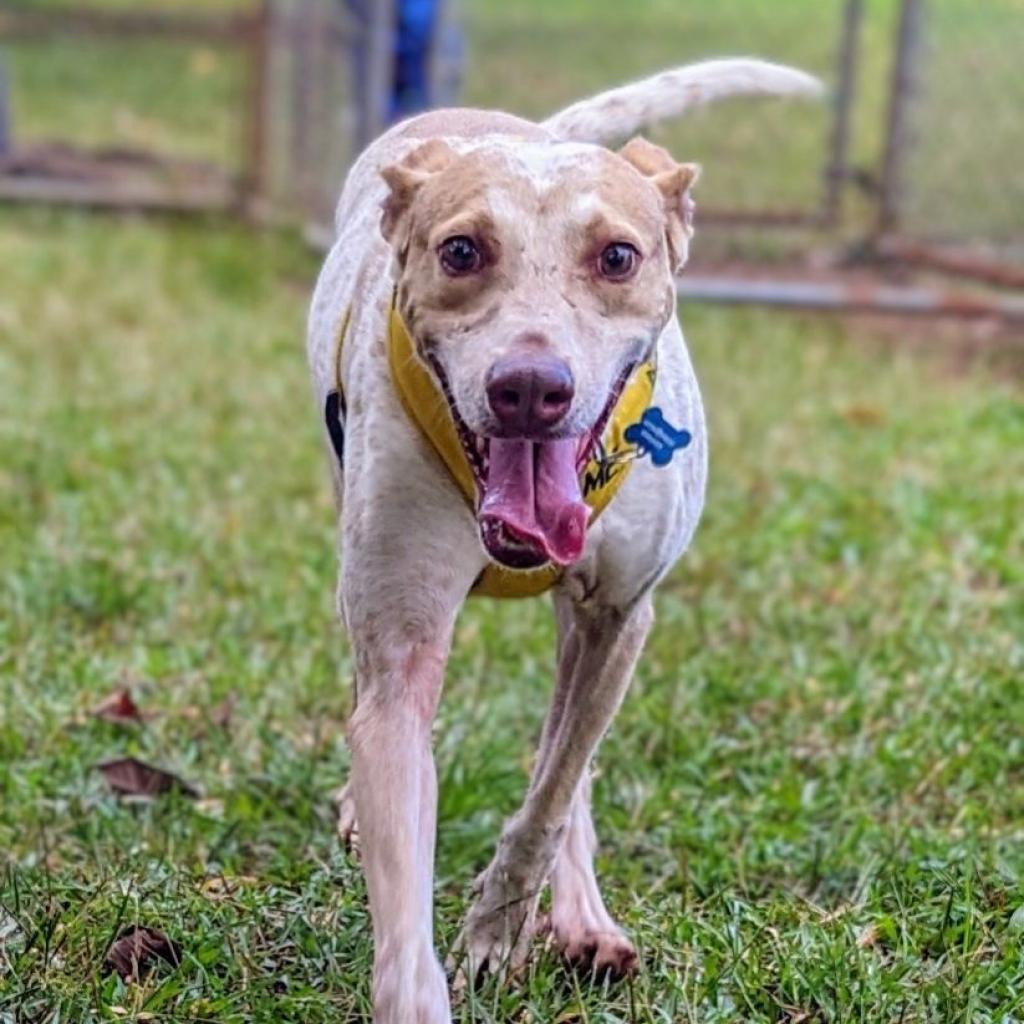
618 113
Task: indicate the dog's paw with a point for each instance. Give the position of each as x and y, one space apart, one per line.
347 825
488 947
602 950
498 933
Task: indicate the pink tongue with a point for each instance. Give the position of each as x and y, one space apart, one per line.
534 492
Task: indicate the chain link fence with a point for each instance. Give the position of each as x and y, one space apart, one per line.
135 107
314 119
956 142
764 161
914 159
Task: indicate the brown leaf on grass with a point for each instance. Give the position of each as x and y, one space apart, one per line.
137 948
223 887
132 777
119 707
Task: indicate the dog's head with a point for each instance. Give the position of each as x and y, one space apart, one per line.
533 279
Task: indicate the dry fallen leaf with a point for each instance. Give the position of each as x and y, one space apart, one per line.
221 887
136 948
132 777
119 707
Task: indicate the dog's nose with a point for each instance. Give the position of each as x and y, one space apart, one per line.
529 393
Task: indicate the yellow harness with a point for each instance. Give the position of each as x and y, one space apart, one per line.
425 404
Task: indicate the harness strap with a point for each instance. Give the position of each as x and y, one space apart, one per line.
425 404
335 407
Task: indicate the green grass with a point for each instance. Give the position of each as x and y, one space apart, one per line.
810 806
168 99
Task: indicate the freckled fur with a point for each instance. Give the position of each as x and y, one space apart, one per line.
548 196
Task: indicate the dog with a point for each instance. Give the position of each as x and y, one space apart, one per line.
509 408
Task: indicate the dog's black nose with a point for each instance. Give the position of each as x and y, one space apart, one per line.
529 394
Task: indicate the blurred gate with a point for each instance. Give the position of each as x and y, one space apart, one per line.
137 145
952 191
259 108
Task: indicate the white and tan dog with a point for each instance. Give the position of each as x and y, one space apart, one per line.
525 273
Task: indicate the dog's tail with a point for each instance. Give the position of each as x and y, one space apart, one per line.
618 113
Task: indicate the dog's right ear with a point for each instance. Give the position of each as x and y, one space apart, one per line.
405 178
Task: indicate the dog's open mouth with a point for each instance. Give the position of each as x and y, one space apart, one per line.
530 506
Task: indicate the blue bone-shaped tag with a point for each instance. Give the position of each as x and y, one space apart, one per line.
656 437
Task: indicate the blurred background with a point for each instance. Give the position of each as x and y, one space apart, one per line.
810 805
258 106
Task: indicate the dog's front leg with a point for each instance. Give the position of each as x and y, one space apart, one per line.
579 922
401 589
595 666
395 789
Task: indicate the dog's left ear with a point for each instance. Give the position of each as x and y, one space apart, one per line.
674 181
405 179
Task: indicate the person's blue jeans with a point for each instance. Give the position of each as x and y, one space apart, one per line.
419 41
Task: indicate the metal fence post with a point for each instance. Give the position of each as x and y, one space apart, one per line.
837 169
5 110
307 27
254 173
380 47
903 88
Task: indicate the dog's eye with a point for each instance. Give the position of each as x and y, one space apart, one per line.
618 261
460 255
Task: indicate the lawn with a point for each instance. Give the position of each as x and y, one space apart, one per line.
810 807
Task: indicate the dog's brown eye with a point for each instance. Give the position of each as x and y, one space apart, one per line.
618 261
460 255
